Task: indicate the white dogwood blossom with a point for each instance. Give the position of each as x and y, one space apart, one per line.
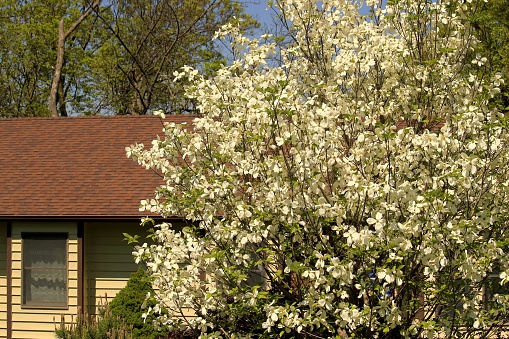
356 188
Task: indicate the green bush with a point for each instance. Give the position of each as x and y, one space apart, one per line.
127 305
121 318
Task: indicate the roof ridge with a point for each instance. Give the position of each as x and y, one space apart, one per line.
84 117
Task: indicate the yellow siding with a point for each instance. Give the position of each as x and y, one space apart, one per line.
108 265
3 280
108 260
30 323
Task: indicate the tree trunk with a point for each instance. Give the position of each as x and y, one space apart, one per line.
57 76
58 70
137 105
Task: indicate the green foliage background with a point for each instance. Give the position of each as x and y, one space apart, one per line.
120 60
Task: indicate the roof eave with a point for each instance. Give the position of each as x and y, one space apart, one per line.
85 218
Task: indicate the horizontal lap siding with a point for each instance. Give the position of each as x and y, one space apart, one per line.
3 280
108 260
33 323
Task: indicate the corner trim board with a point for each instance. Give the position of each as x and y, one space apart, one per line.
9 279
81 244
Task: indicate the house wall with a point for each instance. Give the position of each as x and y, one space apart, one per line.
108 260
33 323
3 280
108 264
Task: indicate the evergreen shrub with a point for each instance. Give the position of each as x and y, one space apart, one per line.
127 305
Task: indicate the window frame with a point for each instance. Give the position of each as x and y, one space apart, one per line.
43 304
492 279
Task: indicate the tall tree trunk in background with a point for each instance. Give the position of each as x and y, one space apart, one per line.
58 70
138 105
62 37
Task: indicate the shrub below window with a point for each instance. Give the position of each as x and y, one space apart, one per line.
127 305
121 318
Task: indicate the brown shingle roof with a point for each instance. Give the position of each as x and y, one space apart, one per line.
75 166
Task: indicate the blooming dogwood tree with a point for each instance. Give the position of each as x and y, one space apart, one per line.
356 189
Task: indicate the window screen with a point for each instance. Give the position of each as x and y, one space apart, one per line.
45 269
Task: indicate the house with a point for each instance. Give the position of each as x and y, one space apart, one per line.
67 194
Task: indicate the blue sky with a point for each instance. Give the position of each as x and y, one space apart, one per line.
257 8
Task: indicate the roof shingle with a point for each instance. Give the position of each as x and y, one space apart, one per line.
75 166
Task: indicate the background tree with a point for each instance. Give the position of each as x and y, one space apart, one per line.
26 56
120 59
357 190
153 39
29 54
490 22
56 90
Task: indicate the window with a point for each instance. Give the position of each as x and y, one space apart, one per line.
493 287
257 275
44 270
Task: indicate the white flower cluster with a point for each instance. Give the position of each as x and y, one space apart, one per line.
358 188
